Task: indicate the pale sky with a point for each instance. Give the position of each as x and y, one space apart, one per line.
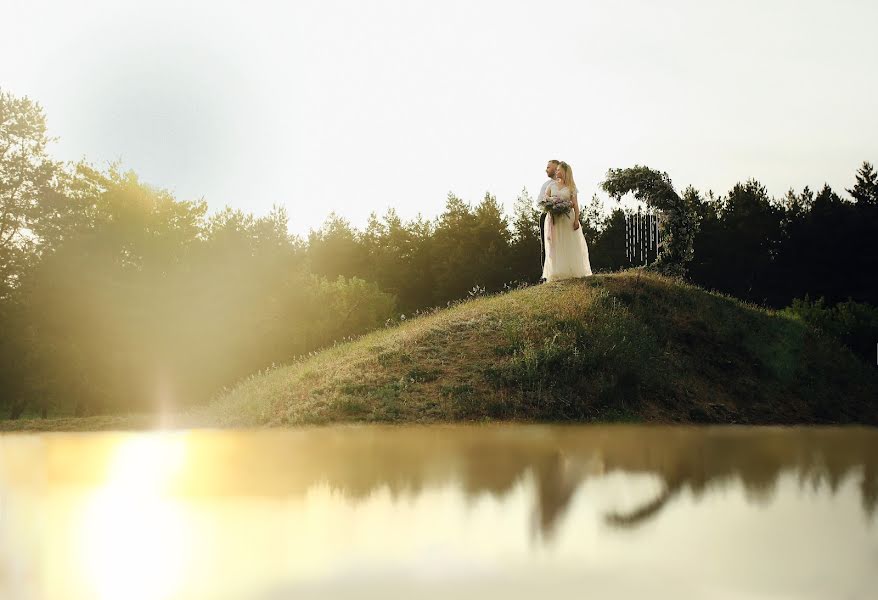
357 106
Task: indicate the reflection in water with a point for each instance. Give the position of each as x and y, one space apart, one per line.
358 460
173 515
130 506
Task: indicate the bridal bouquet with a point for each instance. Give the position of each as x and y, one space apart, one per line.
556 205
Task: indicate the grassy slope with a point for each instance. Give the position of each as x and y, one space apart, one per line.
629 346
622 346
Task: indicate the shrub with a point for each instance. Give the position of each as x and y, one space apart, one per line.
854 324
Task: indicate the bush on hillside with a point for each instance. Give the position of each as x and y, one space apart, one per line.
855 324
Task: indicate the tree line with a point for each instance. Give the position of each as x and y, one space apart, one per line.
115 296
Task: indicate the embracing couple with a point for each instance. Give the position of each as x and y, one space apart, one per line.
563 251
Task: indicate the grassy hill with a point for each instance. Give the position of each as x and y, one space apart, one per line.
627 346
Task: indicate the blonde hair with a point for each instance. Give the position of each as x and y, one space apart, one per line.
568 176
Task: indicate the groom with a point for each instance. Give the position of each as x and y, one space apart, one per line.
551 168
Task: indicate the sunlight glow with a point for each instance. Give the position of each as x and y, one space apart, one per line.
134 539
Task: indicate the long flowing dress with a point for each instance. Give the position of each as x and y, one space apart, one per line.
566 250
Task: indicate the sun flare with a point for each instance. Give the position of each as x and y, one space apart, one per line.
133 538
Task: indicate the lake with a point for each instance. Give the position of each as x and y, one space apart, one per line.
509 511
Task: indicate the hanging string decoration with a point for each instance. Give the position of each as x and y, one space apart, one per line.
643 236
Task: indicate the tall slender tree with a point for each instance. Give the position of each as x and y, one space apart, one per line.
26 172
865 191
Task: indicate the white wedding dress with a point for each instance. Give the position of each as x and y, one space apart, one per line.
566 250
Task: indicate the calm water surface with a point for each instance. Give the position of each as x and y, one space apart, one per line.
441 512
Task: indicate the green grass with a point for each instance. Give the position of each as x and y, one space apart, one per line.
631 346
628 346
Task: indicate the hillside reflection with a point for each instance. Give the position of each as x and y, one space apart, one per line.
357 461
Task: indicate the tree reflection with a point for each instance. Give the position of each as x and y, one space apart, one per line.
357 461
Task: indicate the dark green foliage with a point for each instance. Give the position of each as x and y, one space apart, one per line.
740 243
399 259
26 175
525 243
866 189
607 250
854 324
470 247
336 249
827 249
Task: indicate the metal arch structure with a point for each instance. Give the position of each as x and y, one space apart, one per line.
677 222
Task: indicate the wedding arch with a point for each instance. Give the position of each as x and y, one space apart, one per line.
678 222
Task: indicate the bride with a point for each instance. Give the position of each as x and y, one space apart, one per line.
566 250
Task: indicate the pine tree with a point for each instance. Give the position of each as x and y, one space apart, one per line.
866 189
